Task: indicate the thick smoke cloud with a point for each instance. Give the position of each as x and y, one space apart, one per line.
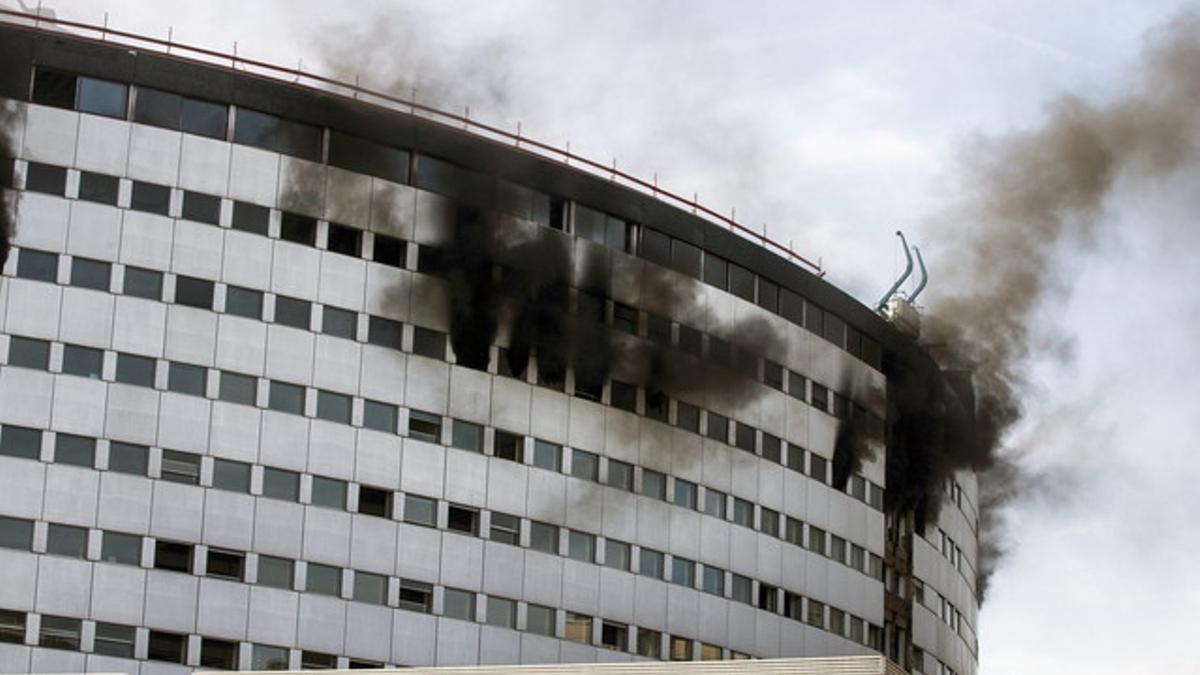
7 120
1022 198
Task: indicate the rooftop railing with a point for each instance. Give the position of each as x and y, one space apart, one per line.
299 77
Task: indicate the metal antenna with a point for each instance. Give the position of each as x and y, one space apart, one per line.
907 271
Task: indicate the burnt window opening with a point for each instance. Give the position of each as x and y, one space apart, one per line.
150 198
344 240
201 208
430 260
691 340
250 218
589 384
552 371
625 318
462 519
590 307
172 556
389 251
557 216
657 404
768 598
54 88
99 188
46 178
719 351
298 229
374 501
276 134
623 396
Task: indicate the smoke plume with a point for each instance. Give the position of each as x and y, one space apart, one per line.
1023 198
6 181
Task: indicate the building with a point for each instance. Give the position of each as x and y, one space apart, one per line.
290 378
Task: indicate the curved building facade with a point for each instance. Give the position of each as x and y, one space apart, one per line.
289 379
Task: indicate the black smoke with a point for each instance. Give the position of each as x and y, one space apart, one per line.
7 121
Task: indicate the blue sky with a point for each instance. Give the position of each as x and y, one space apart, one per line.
834 124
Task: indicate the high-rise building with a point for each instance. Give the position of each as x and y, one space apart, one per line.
295 378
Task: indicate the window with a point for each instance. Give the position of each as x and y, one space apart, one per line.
330 493
508 446
333 407
820 397
585 465
655 246
837 621
650 563
281 484
654 484
617 555
121 548
12 626
150 198
816 540
458 604
768 598
54 89
250 218
135 370
614 636
620 475
263 657
837 548
317 661
795 458
815 616
625 318
712 580
45 178
540 620
59 632
180 467
624 396
201 208
718 427
143 283
429 343
649 643
230 475
275 572
858 557
793 531
379 416
16 533
768 295
28 353
389 251
102 97
797 386
742 589
683 572
323 579
858 488
467 436
506 529
127 458
276 134
375 501
37 265
20 442
462 519
424 426
547 455
225 564
93 274
773 375
719 351
219 654
685 494
420 511
237 388
339 323
657 404
716 271
741 282
500 612
818 468
113 639
744 438
370 588
416 596
772 448
284 397
791 306
743 512
875 567
193 292
681 649
581 546
66 540
344 240
769 522
76 450
578 628
543 537
714 503
167 647
793 606
293 312
172 556
82 361
384 332
298 229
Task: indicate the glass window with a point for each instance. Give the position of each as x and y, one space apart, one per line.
837 548
76 450
384 332
201 208
219 654
791 306
424 426
225 564
362 156
83 361
180 467
710 652
685 258
193 292
263 657
45 178
113 639
793 531
328 492
344 240
720 352
204 118
37 265
20 442
773 374
818 467
614 636
157 108
28 353
251 218
237 388
143 283
293 312
858 557
547 455
795 458
467 436
585 465
416 596
685 494
620 475
231 475
16 533
371 588
12 626
59 632
768 295
793 606
501 612
816 540
650 563
655 246
543 537
578 628
683 572
713 581
281 484
127 458
379 416
742 589
508 446
681 649
135 370
284 397
769 524
333 407
714 503
317 661
275 572
772 448
540 620
624 396
374 501
743 512
243 302
741 282
66 540
339 322
187 379
172 556
150 198
649 643
121 548
389 251
429 343
506 529
744 437
323 579
54 89
102 97
166 647
581 546
816 613
718 427
458 604
277 134
420 510
654 484
617 555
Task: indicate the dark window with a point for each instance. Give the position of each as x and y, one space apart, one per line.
180 467
219 654
284 397
54 89
204 118
834 329
83 361
323 579
650 563
814 318
768 295
683 572
743 512
625 318
742 589
231 475
506 529
379 416
75 450
589 223
121 548
716 271
687 417
37 265
127 458
685 258
28 353
655 246
187 379
657 404
816 540
462 519
102 97
769 522
317 661
501 612
46 178
113 639
429 343
547 455
12 626
746 362
201 208
658 329
333 407
467 436
167 647
16 533
293 312
275 572
773 375
243 302
649 643
374 502
281 484
416 596
96 187
741 282
718 427
690 340
276 134
543 537
329 492
720 352
617 555
816 613
298 229
172 556
654 484
585 465
66 540
744 437
251 218
620 475
157 108
20 442
424 426
714 503
92 274
685 494
143 283
389 251
772 448
362 156
508 446
237 388
264 657
791 306
193 292
384 332
344 240
135 370
225 564
820 397
420 510
150 198
429 260
818 468
370 588
712 580
797 386
59 632
624 396
793 531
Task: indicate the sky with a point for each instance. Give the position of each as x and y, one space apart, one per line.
834 124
